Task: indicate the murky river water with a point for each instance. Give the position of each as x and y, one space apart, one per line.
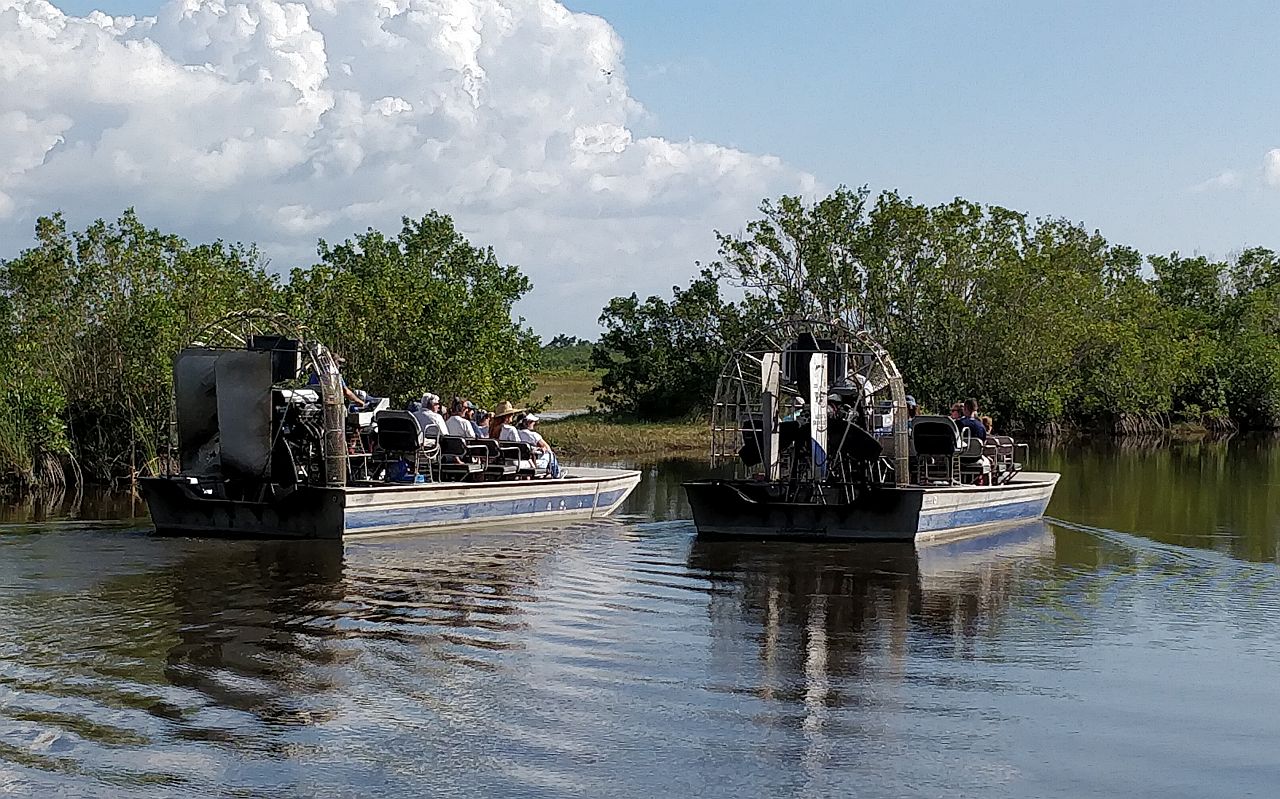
1130 649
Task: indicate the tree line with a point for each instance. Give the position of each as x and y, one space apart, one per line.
90 321
1045 322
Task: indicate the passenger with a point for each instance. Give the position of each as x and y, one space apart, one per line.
459 421
543 458
957 412
500 427
989 424
912 410
430 419
797 412
971 421
354 400
481 421
415 407
834 401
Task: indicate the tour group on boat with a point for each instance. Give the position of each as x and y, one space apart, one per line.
813 436
270 441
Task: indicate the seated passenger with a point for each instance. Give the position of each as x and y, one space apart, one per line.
459 421
798 412
543 458
990 425
957 412
481 420
500 427
429 416
354 400
971 422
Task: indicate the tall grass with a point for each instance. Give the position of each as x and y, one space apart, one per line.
596 436
569 389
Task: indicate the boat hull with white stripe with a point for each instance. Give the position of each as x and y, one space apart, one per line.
178 506
889 513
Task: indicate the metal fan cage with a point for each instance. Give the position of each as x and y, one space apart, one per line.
864 370
234 331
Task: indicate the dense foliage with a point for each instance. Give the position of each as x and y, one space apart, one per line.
90 321
660 359
565 353
1041 320
425 310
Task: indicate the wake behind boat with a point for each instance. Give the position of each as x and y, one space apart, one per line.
264 453
812 420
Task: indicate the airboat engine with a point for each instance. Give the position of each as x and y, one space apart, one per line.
811 411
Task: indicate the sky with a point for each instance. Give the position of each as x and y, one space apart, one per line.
599 144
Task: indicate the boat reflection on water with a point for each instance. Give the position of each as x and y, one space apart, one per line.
850 611
275 632
250 624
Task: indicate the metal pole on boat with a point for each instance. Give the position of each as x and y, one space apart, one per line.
818 413
771 376
335 418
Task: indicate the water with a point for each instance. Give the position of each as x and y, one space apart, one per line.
1129 649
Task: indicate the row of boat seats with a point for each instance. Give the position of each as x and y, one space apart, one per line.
942 450
452 458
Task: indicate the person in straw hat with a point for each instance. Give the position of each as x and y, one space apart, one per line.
500 426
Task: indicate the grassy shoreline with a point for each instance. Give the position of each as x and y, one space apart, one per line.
596 436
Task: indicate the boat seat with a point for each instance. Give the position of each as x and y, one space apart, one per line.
496 465
936 443
974 463
519 453
400 437
461 460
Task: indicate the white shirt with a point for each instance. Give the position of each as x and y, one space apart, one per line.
429 420
460 426
508 434
534 438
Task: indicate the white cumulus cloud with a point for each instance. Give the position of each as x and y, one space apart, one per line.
1227 179
281 122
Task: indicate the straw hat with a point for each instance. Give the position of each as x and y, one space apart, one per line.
505 409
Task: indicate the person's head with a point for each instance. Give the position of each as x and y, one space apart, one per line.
430 402
482 418
957 410
468 409
502 415
912 408
987 423
414 406
970 406
456 407
530 420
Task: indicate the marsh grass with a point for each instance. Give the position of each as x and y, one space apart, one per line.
569 389
597 436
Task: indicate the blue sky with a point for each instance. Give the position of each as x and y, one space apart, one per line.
1107 113
1148 121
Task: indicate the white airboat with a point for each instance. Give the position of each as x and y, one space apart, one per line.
263 453
810 419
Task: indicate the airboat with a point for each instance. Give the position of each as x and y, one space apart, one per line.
812 438
264 444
